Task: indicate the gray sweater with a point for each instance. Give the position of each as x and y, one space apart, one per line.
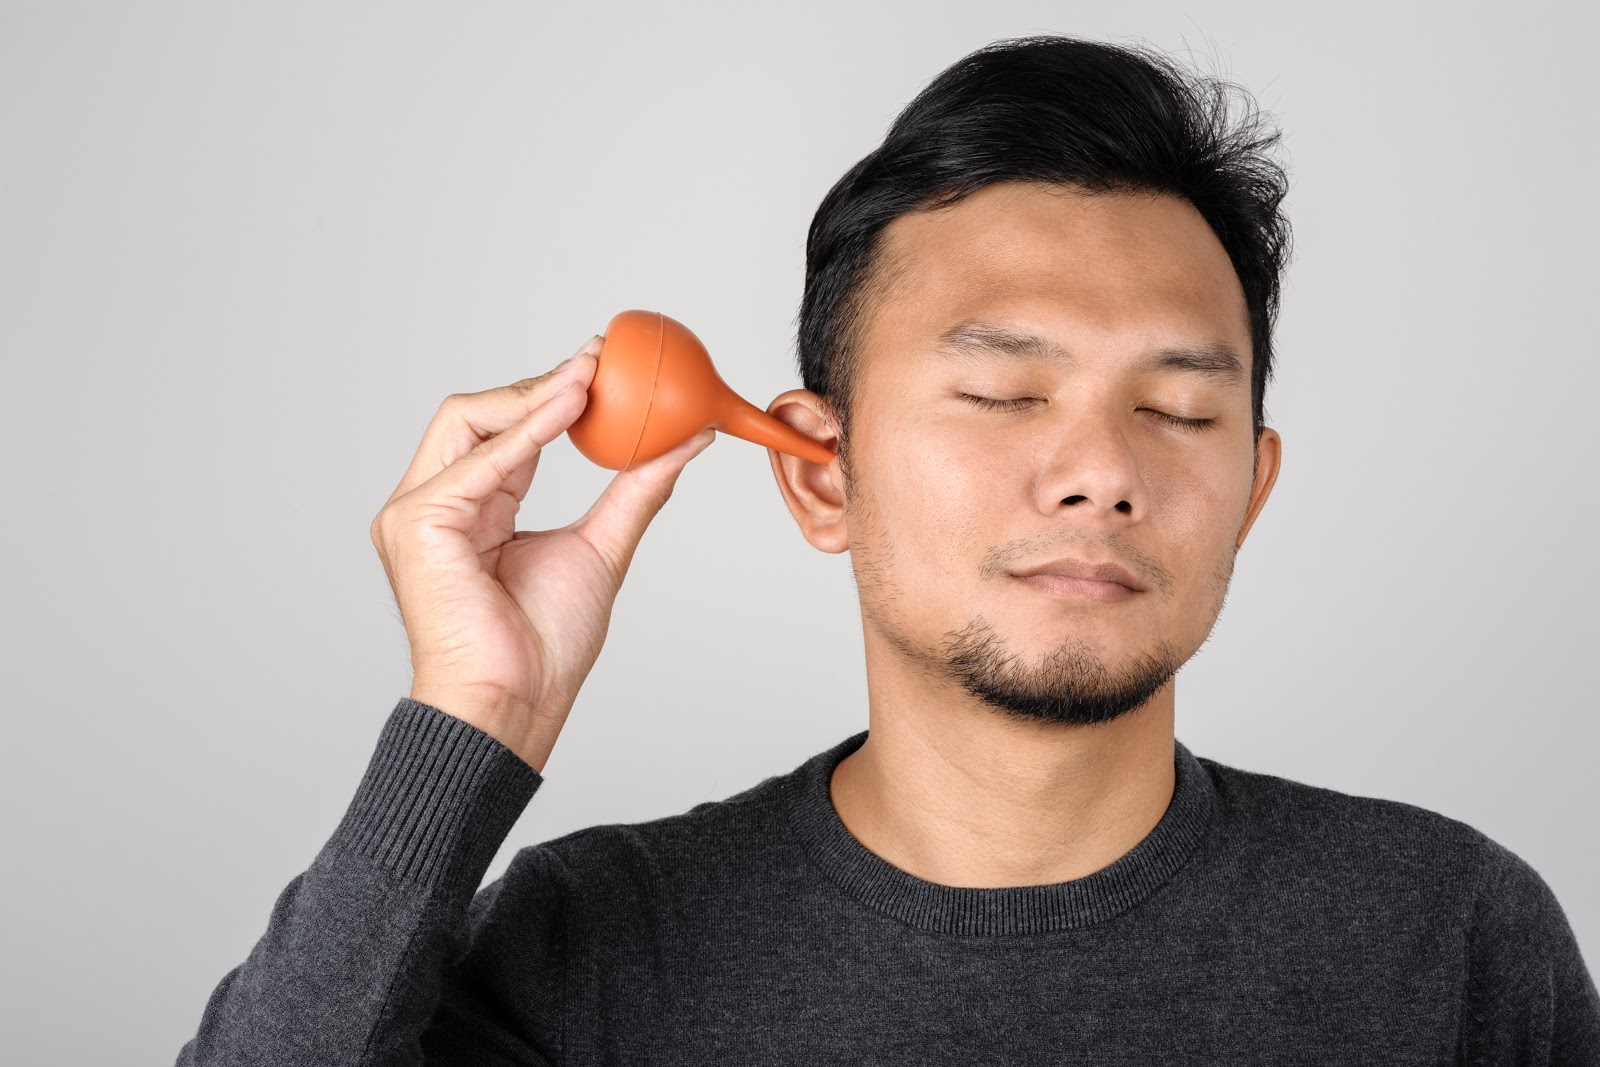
1262 921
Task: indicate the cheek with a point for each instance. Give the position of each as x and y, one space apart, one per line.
1189 501
931 498
1194 516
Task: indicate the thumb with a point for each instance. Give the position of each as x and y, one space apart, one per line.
617 521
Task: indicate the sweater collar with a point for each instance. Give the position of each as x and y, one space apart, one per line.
987 912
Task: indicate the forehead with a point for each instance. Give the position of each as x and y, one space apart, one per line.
1114 271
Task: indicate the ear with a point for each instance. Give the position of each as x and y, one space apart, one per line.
1269 457
814 492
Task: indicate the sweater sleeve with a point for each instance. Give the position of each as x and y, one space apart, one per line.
1529 999
360 950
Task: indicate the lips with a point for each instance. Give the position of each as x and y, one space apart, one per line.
1094 572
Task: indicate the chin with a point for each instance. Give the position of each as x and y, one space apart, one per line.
1033 634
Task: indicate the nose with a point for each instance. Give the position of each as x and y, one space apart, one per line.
1090 473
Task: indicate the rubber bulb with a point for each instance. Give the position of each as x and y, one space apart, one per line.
654 388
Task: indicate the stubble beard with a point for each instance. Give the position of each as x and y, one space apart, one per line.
1071 685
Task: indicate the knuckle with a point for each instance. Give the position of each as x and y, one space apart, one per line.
530 385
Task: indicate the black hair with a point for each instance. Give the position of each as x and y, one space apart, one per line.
1099 117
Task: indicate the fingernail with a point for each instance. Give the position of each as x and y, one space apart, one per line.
593 344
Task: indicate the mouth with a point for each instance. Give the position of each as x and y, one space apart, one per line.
1081 578
1064 588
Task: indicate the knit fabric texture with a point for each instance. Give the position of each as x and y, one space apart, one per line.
1262 921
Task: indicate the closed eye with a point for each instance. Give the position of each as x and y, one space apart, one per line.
1181 423
1018 403
1003 405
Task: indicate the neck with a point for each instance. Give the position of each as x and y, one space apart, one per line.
961 794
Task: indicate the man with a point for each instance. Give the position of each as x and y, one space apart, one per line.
1037 331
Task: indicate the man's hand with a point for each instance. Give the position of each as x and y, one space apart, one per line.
505 625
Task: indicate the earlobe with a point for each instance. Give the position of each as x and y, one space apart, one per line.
812 491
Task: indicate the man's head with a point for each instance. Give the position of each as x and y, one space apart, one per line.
1076 229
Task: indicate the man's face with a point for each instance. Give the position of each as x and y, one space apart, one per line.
950 498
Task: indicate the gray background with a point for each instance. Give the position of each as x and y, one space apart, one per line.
246 250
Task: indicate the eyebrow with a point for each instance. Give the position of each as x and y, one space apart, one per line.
986 342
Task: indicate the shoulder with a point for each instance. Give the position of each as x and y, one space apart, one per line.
1364 842
711 840
1427 889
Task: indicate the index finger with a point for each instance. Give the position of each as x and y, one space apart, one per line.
465 420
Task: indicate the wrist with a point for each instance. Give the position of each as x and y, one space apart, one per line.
511 722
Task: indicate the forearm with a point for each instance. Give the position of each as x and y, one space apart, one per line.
353 961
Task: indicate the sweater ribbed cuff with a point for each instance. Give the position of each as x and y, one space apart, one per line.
438 798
